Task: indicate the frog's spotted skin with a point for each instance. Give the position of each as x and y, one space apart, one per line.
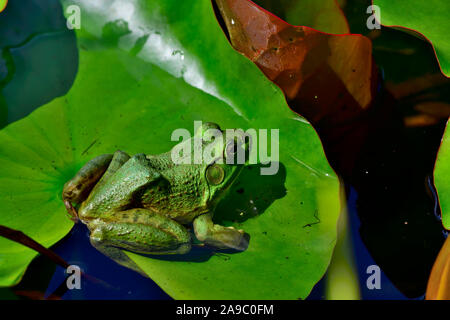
142 203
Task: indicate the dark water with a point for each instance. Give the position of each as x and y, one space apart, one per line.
119 282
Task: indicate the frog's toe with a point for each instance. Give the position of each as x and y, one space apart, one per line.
238 230
244 242
240 241
184 248
72 212
218 236
233 228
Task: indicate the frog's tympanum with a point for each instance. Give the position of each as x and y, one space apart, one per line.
146 203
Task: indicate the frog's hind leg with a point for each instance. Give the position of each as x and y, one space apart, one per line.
117 162
77 189
138 230
97 170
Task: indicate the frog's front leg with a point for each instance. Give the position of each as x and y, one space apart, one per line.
138 230
219 236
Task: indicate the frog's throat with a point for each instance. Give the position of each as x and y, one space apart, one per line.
214 199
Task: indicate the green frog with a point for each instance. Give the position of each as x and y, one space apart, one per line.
147 203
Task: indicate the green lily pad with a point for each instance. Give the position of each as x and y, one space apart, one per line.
144 71
441 175
429 18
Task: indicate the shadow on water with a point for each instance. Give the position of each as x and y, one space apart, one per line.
248 197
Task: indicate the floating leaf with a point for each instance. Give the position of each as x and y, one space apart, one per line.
329 79
146 69
439 283
37 54
427 19
441 176
323 76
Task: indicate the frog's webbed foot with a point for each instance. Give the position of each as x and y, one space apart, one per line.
138 230
96 171
219 236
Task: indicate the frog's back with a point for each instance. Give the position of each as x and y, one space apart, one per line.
181 195
120 190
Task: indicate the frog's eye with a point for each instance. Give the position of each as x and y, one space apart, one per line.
215 174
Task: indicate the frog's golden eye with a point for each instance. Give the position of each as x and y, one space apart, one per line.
215 174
